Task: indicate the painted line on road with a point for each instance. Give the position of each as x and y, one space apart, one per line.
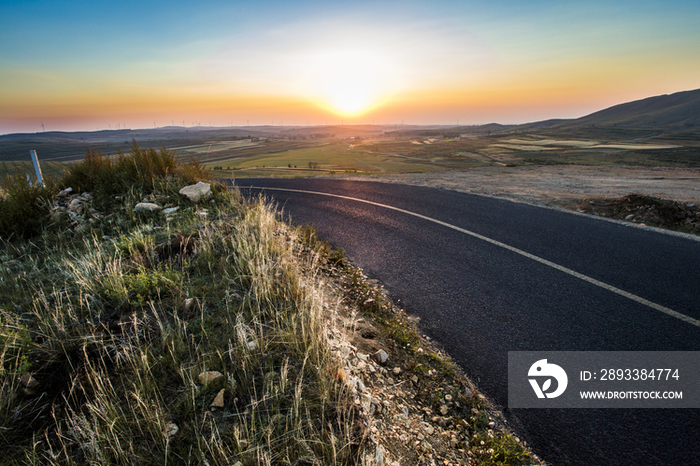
561 268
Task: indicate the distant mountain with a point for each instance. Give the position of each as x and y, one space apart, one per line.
679 111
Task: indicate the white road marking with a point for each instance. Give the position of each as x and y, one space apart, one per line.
561 268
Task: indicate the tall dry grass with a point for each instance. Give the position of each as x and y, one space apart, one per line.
103 339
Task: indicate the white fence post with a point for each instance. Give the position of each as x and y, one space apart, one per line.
37 168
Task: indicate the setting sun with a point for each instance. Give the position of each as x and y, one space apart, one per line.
350 94
349 82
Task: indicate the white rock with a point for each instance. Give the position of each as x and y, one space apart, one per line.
146 207
65 192
209 377
379 456
197 191
219 400
189 304
171 210
357 384
397 370
76 205
381 357
171 430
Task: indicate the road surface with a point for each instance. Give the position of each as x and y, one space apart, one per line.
487 276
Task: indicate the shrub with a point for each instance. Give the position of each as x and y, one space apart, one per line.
140 169
23 207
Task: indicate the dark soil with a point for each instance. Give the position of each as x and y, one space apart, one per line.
647 210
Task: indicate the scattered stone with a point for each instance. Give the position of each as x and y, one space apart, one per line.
197 191
444 410
379 456
171 210
189 304
65 192
76 205
171 430
357 384
414 379
381 357
28 381
147 207
209 377
396 370
219 400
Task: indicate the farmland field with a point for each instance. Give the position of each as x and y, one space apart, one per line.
302 151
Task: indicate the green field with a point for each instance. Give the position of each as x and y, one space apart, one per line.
295 154
336 157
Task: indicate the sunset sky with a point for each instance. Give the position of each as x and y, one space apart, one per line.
87 65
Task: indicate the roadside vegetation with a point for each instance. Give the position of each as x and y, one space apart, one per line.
192 333
110 317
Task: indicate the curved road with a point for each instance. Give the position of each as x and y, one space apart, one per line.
488 276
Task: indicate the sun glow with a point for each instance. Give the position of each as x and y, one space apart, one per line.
350 94
350 82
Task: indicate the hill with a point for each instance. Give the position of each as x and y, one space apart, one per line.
679 111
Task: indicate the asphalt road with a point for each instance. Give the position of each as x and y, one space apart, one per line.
480 300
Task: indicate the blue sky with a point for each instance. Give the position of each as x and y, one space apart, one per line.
90 65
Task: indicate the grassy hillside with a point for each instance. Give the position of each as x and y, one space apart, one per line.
110 317
201 332
679 111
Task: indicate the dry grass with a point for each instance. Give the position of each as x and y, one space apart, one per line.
102 340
